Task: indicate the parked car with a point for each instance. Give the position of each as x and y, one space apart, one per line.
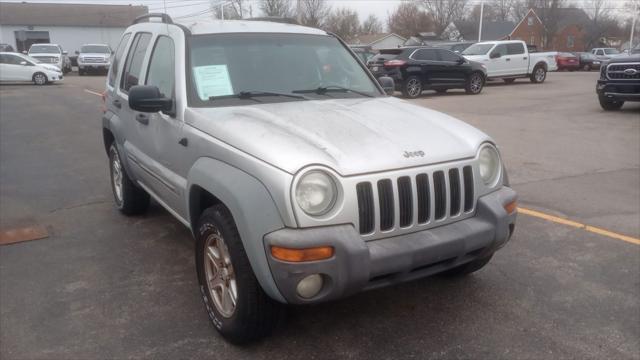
567 61
51 54
604 54
302 184
6 48
619 82
509 60
19 67
94 57
588 61
415 69
457 47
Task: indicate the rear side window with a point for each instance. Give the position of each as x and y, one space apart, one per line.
133 67
515 48
113 72
161 66
426 54
446 55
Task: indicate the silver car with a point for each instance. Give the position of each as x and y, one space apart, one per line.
301 180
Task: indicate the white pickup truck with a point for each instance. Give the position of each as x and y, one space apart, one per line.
509 60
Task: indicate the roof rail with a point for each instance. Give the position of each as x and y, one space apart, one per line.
165 18
277 19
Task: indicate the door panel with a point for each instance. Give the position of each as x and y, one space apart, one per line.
499 66
453 73
518 58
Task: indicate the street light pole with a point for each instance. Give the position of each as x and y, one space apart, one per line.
480 25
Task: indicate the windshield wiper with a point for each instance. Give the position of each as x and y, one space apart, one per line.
254 94
321 90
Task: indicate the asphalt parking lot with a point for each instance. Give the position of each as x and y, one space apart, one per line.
105 286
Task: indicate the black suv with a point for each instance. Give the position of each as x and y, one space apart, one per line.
415 69
619 82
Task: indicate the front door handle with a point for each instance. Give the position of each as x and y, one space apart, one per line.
142 118
508 59
117 103
524 58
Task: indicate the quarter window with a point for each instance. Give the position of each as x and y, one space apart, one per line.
113 72
515 48
161 66
133 67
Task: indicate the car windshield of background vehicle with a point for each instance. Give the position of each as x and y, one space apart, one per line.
611 51
477 49
44 49
95 49
32 59
223 66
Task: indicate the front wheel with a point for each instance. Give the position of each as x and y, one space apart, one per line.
412 87
236 304
40 79
610 104
538 75
475 82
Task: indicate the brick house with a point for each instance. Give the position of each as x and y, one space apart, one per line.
571 33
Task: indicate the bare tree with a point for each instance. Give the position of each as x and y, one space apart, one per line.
503 9
444 12
233 9
343 22
277 8
488 13
409 19
313 12
371 25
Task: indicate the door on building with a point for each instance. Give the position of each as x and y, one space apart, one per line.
26 38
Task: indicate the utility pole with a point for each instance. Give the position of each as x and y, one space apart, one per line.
480 25
299 11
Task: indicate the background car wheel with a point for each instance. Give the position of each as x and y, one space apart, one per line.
509 81
538 75
40 78
412 87
469 267
475 82
80 72
236 304
610 104
586 67
129 198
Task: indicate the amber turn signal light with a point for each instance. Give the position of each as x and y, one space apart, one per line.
511 207
300 255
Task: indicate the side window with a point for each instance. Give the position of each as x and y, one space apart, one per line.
446 55
161 71
4 59
113 72
515 49
133 67
12 59
500 49
600 52
426 54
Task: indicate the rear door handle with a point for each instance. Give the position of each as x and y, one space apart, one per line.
142 118
117 103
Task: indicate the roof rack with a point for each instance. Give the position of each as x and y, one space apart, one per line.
276 19
164 17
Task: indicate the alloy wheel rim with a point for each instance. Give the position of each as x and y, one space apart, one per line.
540 74
476 84
40 79
413 87
116 173
220 275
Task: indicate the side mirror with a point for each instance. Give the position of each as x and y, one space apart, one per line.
148 99
461 61
388 85
495 55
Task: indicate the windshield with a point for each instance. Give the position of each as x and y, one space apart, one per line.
96 49
226 65
44 49
611 51
477 49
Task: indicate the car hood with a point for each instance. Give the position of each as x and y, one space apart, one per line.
98 55
49 67
45 54
351 136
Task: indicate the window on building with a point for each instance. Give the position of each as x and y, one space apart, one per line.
570 41
113 72
530 21
532 41
133 66
161 71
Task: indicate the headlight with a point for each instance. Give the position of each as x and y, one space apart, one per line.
316 193
489 164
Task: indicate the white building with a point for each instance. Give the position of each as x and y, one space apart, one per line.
69 25
379 41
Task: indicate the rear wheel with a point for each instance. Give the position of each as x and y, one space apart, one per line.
412 87
40 78
236 304
610 104
509 81
129 198
469 267
538 75
475 82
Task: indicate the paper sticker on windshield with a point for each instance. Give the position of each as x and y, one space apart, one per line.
212 80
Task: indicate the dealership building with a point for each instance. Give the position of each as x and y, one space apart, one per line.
69 25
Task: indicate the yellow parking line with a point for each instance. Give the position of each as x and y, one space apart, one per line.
589 228
92 92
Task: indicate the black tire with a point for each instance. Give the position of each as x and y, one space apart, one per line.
255 315
412 87
538 75
509 81
586 67
132 200
441 91
40 78
470 267
475 83
610 104
80 72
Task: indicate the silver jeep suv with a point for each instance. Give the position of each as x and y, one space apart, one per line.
300 179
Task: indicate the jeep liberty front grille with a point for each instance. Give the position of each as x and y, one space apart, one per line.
623 71
421 199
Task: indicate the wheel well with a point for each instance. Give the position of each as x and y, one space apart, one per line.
199 200
541 64
107 138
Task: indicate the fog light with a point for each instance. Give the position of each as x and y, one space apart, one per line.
310 286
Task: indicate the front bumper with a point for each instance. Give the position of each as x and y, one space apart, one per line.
358 265
96 66
623 91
